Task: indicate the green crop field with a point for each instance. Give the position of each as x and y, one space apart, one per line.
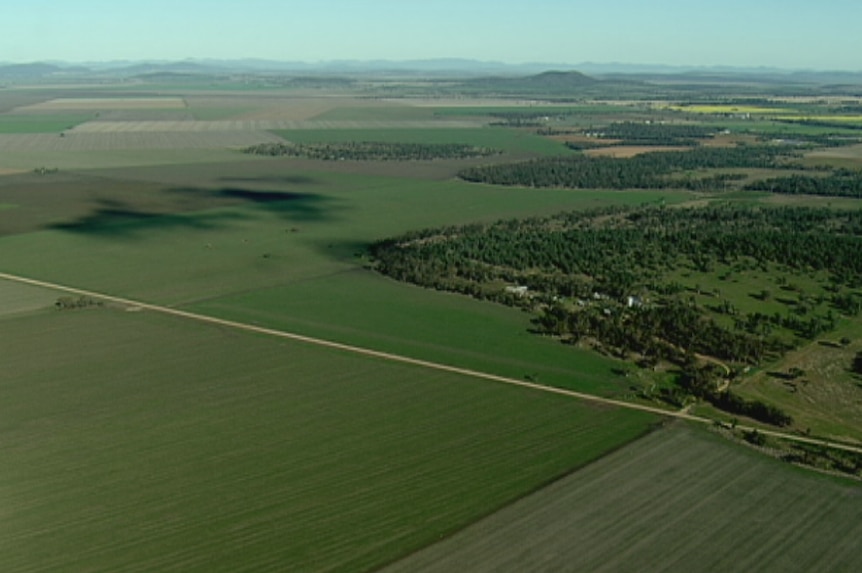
361 308
40 123
379 112
677 500
15 298
139 443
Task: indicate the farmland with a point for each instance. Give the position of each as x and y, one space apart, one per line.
153 441
142 441
675 501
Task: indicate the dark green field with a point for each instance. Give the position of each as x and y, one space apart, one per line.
678 500
139 443
41 123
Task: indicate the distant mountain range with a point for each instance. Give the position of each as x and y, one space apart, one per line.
450 67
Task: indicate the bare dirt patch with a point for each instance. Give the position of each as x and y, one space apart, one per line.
98 104
119 140
849 152
299 109
581 138
625 151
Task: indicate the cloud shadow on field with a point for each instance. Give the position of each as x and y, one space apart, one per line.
119 219
283 179
293 206
195 208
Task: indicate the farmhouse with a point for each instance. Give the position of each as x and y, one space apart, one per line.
516 290
634 302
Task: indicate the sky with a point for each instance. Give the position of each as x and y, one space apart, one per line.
791 34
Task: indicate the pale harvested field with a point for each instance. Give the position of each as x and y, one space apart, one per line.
677 500
10 171
131 140
624 151
260 125
849 152
471 102
98 104
580 138
299 109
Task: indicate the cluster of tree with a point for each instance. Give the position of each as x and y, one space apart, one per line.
829 459
657 133
735 404
857 363
620 250
45 170
70 303
668 330
704 382
758 323
566 260
847 303
841 183
814 139
822 123
371 151
646 171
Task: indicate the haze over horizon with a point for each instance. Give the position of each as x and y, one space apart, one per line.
791 34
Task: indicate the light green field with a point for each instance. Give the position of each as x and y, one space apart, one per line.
15 298
550 111
217 113
137 442
41 123
361 308
381 112
777 128
678 500
730 109
84 160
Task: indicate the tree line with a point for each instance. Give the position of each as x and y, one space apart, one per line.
656 133
841 183
645 171
371 151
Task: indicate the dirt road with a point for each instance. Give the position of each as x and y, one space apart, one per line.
403 359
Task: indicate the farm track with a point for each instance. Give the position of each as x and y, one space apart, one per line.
407 360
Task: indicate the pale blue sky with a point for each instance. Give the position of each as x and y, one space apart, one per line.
790 33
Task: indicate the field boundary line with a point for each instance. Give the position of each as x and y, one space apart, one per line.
412 361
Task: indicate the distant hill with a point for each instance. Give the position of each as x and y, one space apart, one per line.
165 68
472 76
552 82
37 70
